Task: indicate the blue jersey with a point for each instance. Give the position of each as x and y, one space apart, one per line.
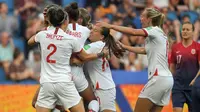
186 60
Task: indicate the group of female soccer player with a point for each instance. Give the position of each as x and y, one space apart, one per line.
63 52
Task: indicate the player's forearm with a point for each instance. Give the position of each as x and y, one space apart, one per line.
90 57
122 29
198 74
31 41
138 50
172 68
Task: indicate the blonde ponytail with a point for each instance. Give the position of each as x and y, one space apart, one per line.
156 16
162 19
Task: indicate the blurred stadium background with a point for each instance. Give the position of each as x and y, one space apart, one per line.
20 19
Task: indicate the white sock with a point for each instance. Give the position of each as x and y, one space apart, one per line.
94 105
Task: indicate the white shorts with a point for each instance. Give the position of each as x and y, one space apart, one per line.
158 90
106 99
79 79
50 93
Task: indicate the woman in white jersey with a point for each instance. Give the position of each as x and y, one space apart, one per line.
99 69
81 33
87 94
56 79
156 92
46 25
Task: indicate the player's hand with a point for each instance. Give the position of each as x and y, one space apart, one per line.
105 51
103 24
76 61
120 45
192 82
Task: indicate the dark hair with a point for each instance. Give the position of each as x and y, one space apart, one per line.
1 3
186 15
85 15
16 53
56 16
46 22
72 10
190 24
110 43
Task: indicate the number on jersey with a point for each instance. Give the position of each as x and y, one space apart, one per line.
52 52
179 58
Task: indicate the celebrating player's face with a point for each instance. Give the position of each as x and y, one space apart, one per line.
187 31
144 20
95 34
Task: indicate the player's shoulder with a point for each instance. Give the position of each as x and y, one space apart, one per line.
98 44
176 45
84 28
196 45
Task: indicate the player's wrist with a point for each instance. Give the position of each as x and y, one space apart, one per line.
101 54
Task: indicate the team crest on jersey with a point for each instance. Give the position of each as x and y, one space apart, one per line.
193 51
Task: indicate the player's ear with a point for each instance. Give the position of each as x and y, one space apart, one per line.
102 37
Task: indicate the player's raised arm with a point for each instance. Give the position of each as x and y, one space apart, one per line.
127 30
86 57
138 50
31 41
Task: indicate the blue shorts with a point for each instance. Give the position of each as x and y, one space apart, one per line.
195 99
179 97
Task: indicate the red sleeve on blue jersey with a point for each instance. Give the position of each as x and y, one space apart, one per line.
173 54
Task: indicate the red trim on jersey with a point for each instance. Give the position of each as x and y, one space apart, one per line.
74 26
78 52
98 99
103 64
45 28
156 72
56 30
146 34
97 85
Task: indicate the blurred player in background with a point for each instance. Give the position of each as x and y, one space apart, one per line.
184 65
56 79
156 92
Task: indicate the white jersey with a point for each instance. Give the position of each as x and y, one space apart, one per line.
56 50
156 45
99 69
78 31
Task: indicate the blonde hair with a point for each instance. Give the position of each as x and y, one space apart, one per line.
156 16
85 15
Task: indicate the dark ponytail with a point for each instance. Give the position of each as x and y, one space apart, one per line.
56 16
72 10
111 44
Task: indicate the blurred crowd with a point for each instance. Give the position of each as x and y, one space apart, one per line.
27 19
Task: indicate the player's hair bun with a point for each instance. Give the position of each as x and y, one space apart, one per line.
74 5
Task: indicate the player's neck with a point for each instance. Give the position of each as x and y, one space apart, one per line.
187 42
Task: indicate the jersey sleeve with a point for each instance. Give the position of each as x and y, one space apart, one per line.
76 46
38 36
173 55
87 34
149 32
92 48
